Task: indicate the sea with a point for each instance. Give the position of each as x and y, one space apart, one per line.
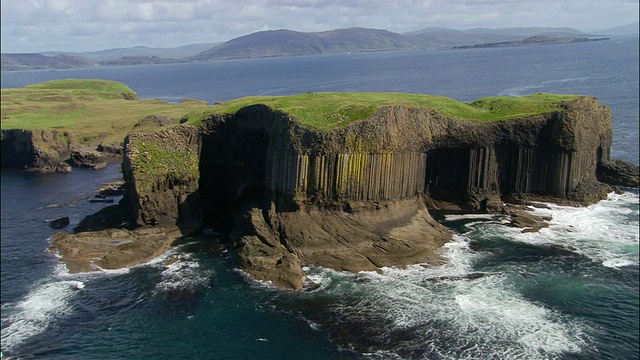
569 291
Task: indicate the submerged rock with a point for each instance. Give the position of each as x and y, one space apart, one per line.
59 223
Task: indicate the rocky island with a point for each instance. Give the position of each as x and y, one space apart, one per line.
345 180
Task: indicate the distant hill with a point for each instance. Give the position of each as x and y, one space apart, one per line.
40 62
141 51
288 42
445 37
629 29
139 60
533 40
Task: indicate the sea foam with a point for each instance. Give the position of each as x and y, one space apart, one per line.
38 309
607 232
452 311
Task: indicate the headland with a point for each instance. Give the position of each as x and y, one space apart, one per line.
345 180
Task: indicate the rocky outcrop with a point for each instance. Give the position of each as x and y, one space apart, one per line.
59 223
161 172
111 248
52 150
618 173
355 198
87 158
41 150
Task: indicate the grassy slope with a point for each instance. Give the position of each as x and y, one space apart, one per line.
93 110
325 111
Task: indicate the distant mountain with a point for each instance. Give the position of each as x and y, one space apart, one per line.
629 29
139 60
445 37
141 51
288 42
39 61
534 40
527 31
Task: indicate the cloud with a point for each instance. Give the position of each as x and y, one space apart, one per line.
81 25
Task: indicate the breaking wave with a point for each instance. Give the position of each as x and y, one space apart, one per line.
35 313
450 311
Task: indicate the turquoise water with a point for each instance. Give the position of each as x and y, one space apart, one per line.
567 292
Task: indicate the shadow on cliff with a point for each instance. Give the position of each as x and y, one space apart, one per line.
232 165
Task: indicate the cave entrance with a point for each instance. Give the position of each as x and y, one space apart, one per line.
447 173
232 169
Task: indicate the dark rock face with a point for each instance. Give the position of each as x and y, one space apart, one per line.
51 150
40 150
87 158
114 149
618 173
355 198
59 223
168 197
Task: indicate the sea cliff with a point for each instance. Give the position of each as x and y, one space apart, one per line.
355 197
60 124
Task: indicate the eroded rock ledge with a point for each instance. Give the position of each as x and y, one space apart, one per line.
356 197
52 151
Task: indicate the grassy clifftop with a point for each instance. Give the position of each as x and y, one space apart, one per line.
92 110
102 110
325 111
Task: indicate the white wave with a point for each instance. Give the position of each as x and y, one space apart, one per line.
60 271
455 217
36 312
184 274
607 232
456 312
618 263
313 282
543 86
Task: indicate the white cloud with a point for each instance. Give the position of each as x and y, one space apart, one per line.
81 25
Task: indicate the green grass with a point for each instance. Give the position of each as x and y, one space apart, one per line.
96 87
325 111
151 159
93 111
98 110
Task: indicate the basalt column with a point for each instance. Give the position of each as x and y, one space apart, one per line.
346 177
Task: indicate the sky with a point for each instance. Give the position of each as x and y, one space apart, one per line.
92 25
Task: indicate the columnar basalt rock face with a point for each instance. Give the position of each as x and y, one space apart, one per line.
401 152
354 198
348 177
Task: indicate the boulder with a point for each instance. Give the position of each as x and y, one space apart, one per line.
87 158
59 223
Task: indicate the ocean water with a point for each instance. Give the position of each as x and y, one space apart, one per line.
567 292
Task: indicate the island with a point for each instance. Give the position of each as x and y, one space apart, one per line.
346 180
